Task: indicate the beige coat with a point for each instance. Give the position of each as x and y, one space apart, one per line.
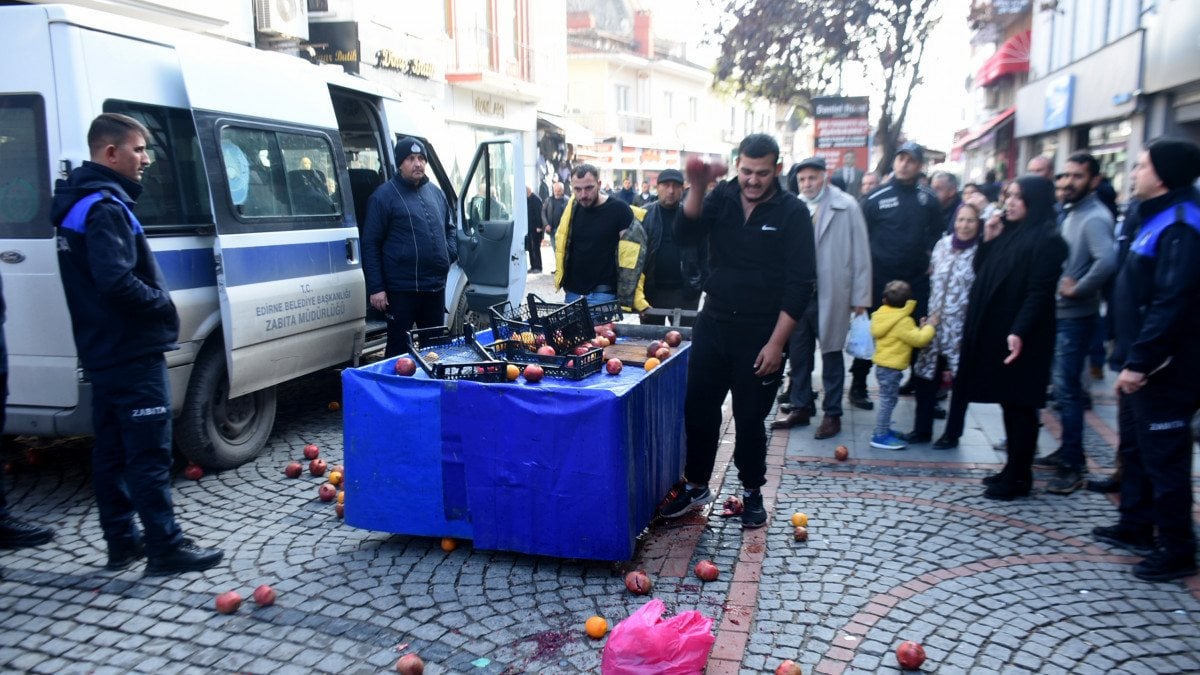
843 266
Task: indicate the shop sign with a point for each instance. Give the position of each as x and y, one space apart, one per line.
486 106
840 125
1059 94
335 42
389 60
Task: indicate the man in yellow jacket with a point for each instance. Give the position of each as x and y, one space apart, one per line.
896 336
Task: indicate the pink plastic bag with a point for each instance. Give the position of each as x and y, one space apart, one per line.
645 644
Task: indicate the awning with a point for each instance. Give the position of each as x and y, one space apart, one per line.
1011 57
967 141
575 133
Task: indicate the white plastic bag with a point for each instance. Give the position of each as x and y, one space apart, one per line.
859 342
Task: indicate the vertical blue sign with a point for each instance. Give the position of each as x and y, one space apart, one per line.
1059 94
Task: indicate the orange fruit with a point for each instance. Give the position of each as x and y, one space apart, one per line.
798 519
335 477
651 364
448 544
596 627
341 497
512 372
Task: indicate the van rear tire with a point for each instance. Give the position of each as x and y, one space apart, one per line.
214 431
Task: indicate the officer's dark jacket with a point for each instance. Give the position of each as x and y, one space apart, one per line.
120 306
904 221
409 240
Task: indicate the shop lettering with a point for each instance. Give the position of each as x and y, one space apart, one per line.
489 107
389 60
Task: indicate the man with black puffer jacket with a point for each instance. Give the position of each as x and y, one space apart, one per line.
123 320
1157 303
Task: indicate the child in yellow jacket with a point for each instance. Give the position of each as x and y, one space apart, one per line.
896 335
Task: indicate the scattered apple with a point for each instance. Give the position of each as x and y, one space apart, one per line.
405 366
801 533
707 571
193 472
317 467
264 595
512 372
340 468
228 602
800 519
334 405
638 582
910 655
651 364
613 366
841 453
293 469
733 506
311 451
663 353
326 492
534 373
410 664
673 338
449 544
653 347
340 510
788 667
546 350
335 477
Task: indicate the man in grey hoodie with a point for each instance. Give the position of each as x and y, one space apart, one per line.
1088 231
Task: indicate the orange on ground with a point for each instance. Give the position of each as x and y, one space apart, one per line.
335 477
800 519
596 627
651 364
341 497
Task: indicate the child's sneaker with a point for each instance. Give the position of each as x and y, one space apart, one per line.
887 441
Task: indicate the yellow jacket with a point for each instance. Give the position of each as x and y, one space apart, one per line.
896 335
631 258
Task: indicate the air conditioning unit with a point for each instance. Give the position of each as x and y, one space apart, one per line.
282 17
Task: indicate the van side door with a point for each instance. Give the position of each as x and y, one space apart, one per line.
492 218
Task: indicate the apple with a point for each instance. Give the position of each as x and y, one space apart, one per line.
801 533
910 655
340 510
264 595
663 353
841 453
534 373
334 406
228 602
193 472
673 338
405 366
326 492
317 467
340 468
311 451
707 571
733 506
653 348
638 582
546 350
410 664
694 166
613 366
788 667
601 342
293 469
449 544
609 335
570 363
581 350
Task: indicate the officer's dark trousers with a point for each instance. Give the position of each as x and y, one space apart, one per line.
722 360
131 460
426 309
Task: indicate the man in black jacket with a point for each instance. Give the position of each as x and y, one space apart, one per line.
408 244
1157 303
534 232
763 274
123 321
552 211
674 272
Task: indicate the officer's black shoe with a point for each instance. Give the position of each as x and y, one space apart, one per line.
16 533
186 557
1114 535
1162 566
121 556
754 515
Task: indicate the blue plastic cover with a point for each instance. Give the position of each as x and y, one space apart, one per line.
558 468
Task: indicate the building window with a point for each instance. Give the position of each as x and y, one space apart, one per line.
693 109
668 104
622 93
318 5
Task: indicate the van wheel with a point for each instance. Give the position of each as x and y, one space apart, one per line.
459 316
215 431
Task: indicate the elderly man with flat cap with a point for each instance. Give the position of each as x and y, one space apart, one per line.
1157 305
408 244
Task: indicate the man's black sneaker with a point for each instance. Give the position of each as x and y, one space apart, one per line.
688 498
1105 485
16 533
121 556
913 437
939 413
1115 535
1065 481
1162 566
753 515
1053 460
1007 489
186 557
859 400
945 443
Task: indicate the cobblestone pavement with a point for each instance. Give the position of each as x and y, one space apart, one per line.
902 546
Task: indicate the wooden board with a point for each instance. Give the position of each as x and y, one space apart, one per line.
631 352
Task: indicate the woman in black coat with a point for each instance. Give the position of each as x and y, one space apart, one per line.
1008 336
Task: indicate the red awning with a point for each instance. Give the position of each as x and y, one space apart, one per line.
1011 57
981 131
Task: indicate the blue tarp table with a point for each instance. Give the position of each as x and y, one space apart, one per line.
557 468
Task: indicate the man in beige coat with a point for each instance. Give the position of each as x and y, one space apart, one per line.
843 289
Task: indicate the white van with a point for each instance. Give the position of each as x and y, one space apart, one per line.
263 164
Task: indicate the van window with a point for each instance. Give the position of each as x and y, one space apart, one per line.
490 196
275 173
24 168
174 187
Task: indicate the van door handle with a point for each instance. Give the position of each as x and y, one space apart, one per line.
352 250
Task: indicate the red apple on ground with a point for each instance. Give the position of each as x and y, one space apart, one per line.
613 366
841 453
228 602
653 347
410 664
638 582
293 469
405 366
340 510
534 373
663 353
707 571
673 338
317 467
327 492
801 533
311 451
193 472
264 595
910 655
789 667
546 350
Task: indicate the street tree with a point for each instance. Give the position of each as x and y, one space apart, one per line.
793 50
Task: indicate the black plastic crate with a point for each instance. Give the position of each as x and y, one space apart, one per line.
564 326
516 323
563 366
605 312
455 357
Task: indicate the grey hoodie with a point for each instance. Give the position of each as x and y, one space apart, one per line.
1088 231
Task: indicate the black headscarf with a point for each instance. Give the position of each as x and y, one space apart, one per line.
1002 252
